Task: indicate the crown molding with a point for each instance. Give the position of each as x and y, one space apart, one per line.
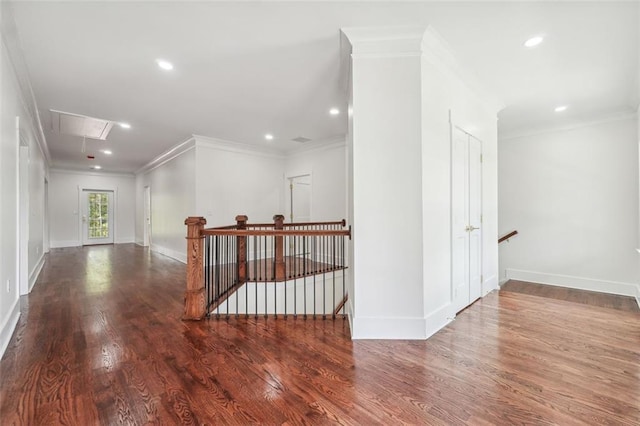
11 41
84 173
436 51
168 155
381 42
243 148
577 124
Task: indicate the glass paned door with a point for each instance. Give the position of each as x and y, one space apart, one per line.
98 217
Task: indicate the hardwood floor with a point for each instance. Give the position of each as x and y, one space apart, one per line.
100 341
592 298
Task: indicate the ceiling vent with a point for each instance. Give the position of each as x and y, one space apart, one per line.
80 125
301 139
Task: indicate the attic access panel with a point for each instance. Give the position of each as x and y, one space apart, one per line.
80 125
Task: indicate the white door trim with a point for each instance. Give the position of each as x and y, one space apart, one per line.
81 190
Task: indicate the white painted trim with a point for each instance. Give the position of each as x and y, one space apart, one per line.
168 155
580 283
114 209
438 319
9 323
179 256
319 146
86 173
384 41
578 124
33 277
127 240
242 148
349 311
490 284
439 53
63 244
389 328
139 242
503 282
638 295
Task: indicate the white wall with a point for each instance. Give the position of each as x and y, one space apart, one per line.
327 166
16 101
172 201
573 197
65 210
232 181
405 83
37 172
444 92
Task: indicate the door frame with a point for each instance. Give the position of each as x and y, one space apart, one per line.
452 127
146 216
287 192
81 190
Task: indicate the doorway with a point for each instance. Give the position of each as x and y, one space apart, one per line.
466 218
300 198
146 237
97 217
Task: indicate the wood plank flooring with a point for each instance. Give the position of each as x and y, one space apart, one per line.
100 341
603 300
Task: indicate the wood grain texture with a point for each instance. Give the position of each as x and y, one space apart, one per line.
593 298
101 342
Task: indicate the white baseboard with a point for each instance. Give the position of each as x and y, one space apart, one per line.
438 319
124 241
349 311
179 256
33 277
580 283
389 328
638 295
503 281
140 242
8 326
69 243
489 285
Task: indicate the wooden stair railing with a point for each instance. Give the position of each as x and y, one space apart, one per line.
506 237
223 261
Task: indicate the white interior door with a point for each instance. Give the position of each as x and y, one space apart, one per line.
300 198
466 218
97 217
147 216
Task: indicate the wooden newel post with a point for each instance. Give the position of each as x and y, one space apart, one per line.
194 303
278 220
242 250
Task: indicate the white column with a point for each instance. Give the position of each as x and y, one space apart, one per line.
385 167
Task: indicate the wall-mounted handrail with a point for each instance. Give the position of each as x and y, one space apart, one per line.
507 236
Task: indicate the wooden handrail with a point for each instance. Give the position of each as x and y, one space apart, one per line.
507 236
277 232
240 256
340 305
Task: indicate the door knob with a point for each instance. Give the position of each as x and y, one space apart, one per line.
470 228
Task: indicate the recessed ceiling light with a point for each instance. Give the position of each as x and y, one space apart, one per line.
334 111
165 65
268 136
96 167
106 151
533 41
124 125
560 108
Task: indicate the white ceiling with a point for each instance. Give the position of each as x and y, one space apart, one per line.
243 69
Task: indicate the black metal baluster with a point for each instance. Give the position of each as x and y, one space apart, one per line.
217 274
333 278
255 271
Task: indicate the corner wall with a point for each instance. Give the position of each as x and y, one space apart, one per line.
573 197
173 190
17 102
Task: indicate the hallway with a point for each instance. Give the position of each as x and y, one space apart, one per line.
100 341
